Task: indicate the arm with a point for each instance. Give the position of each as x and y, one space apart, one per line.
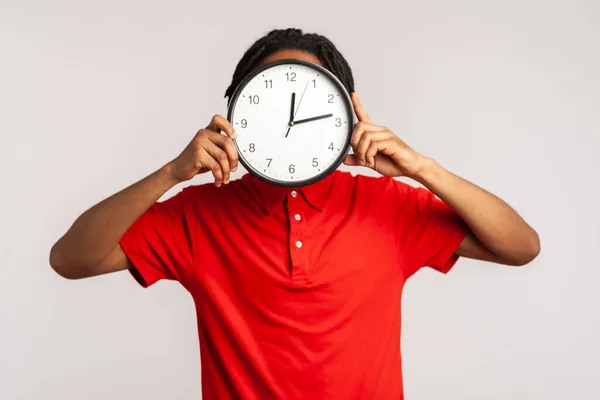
497 232
91 246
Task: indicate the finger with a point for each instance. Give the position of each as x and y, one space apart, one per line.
365 144
220 157
227 145
362 139
386 147
359 110
352 160
362 147
220 124
360 129
371 152
211 164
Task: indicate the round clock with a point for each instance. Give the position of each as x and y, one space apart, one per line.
293 121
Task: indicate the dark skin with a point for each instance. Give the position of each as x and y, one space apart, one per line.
91 246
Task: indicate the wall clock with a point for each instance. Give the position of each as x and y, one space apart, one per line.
293 120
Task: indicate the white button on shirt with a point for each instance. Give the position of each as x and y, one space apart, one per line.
297 217
298 244
294 193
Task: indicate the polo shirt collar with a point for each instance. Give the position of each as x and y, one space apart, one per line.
271 196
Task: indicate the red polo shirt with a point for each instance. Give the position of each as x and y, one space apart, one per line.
297 292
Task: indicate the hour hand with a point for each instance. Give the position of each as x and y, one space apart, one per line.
312 119
291 123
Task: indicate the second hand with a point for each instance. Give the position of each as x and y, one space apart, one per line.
297 108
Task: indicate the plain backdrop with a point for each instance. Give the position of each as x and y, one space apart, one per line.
96 95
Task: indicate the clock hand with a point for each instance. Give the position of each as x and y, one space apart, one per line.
294 116
291 123
292 109
312 119
300 102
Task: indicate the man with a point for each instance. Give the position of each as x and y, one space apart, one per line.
297 291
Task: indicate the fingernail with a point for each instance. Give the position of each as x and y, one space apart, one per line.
234 169
233 135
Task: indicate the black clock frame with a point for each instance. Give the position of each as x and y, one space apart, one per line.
349 109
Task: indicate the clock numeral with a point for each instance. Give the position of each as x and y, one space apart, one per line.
338 122
244 123
291 76
253 99
252 148
270 160
331 146
269 84
330 98
315 162
314 81
292 168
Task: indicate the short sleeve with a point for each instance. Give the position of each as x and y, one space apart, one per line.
158 242
430 231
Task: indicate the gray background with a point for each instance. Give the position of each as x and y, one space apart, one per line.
96 95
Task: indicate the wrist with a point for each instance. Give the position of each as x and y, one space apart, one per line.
168 174
429 171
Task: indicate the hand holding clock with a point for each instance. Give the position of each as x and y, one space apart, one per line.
213 148
209 150
374 146
380 149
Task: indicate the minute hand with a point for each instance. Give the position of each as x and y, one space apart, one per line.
313 119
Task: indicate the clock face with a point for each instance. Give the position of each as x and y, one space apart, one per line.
293 121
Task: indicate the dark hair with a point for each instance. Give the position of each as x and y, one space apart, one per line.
292 39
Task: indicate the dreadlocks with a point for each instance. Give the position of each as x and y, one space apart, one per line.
292 39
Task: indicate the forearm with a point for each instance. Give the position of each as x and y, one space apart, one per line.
497 225
96 233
